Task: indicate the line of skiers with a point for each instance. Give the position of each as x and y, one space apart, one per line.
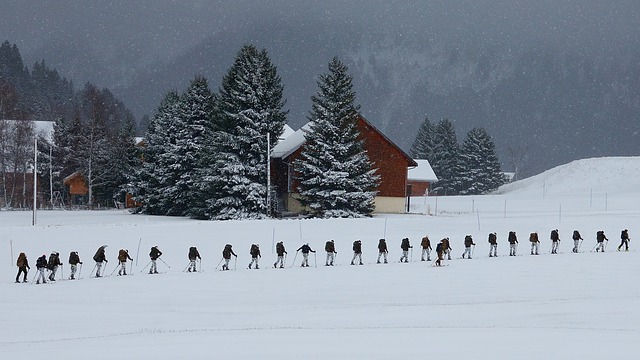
443 249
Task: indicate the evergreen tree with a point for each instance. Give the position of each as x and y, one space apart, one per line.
422 147
479 168
248 108
445 158
335 173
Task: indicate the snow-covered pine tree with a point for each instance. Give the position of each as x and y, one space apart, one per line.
335 172
422 147
479 167
248 107
445 157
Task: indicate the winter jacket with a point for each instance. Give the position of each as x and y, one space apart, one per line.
255 251
382 246
493 239
305 249
123 255
227 252
600 236
330 246
405 245
446 244
41 262
468 241
22 261
357 246
533 237
54 260
439 249
513 239
426 243
74 259
194 254
624 236
554 235
280 249
100 255
155 253
576 235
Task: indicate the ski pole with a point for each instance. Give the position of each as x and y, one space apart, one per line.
34 277
315 260
605 245
473 249
235 263
145 266
131 267
61 272
579 245
219 262
285 260
114 269
185 269
164 263
80 271
411 256
294 259
200 265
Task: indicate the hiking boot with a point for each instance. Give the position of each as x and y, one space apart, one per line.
257 267
17 281
24 281
378 262
360 263
352 263
281 266
38 282
385 261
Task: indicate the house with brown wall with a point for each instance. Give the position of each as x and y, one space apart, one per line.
391 162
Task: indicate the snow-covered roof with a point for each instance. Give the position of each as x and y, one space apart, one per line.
286 132
422 172
291 143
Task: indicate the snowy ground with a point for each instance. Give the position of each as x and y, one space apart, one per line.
550 306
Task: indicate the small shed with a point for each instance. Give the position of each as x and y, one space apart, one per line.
421 177
76 183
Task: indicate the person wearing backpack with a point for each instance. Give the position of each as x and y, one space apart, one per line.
468 242
426 248
53 264
440 251
624 236
513 243
330 248
154 255
600 238
74 260
535 243
226 255
123 256
280 251
23 265
100 258
405 246
446 248
576 241
357 252
555 241
306 249
193 256
382 250
493 244
255 254
41 264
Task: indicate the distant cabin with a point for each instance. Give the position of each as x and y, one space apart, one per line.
77 187
420 178
391 162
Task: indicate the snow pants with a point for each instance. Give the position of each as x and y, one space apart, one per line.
600 246
382 254
225 266
192 266
493 250
467 251
98 268
52 275
154 267
405 256
512 249
40 276
305 260
427 252
576 244
279 260
123 268
22 270
74 269
624 243
331 256
254 260
554 247
535 248
448 253
356 256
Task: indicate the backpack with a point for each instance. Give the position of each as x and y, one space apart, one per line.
41 262
492 238
192 252
74 258
254 250
576 235
405 243
439 247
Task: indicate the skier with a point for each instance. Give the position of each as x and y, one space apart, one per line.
440 251
624 236
446 248
493 245
382 250
468 242
41 264
255 254
226 255
100 258
123 256
513 243
600 238
535 243
330 248
23 265
405 246
74 260
193 255
426 248
53 264
305 254
280 250
357 252
576 240
555 241
154 255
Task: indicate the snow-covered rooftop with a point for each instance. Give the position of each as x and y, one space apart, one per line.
422 172
290 143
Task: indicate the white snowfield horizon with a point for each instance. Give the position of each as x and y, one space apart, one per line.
525 307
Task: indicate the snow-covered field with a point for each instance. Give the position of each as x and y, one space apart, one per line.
546 307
